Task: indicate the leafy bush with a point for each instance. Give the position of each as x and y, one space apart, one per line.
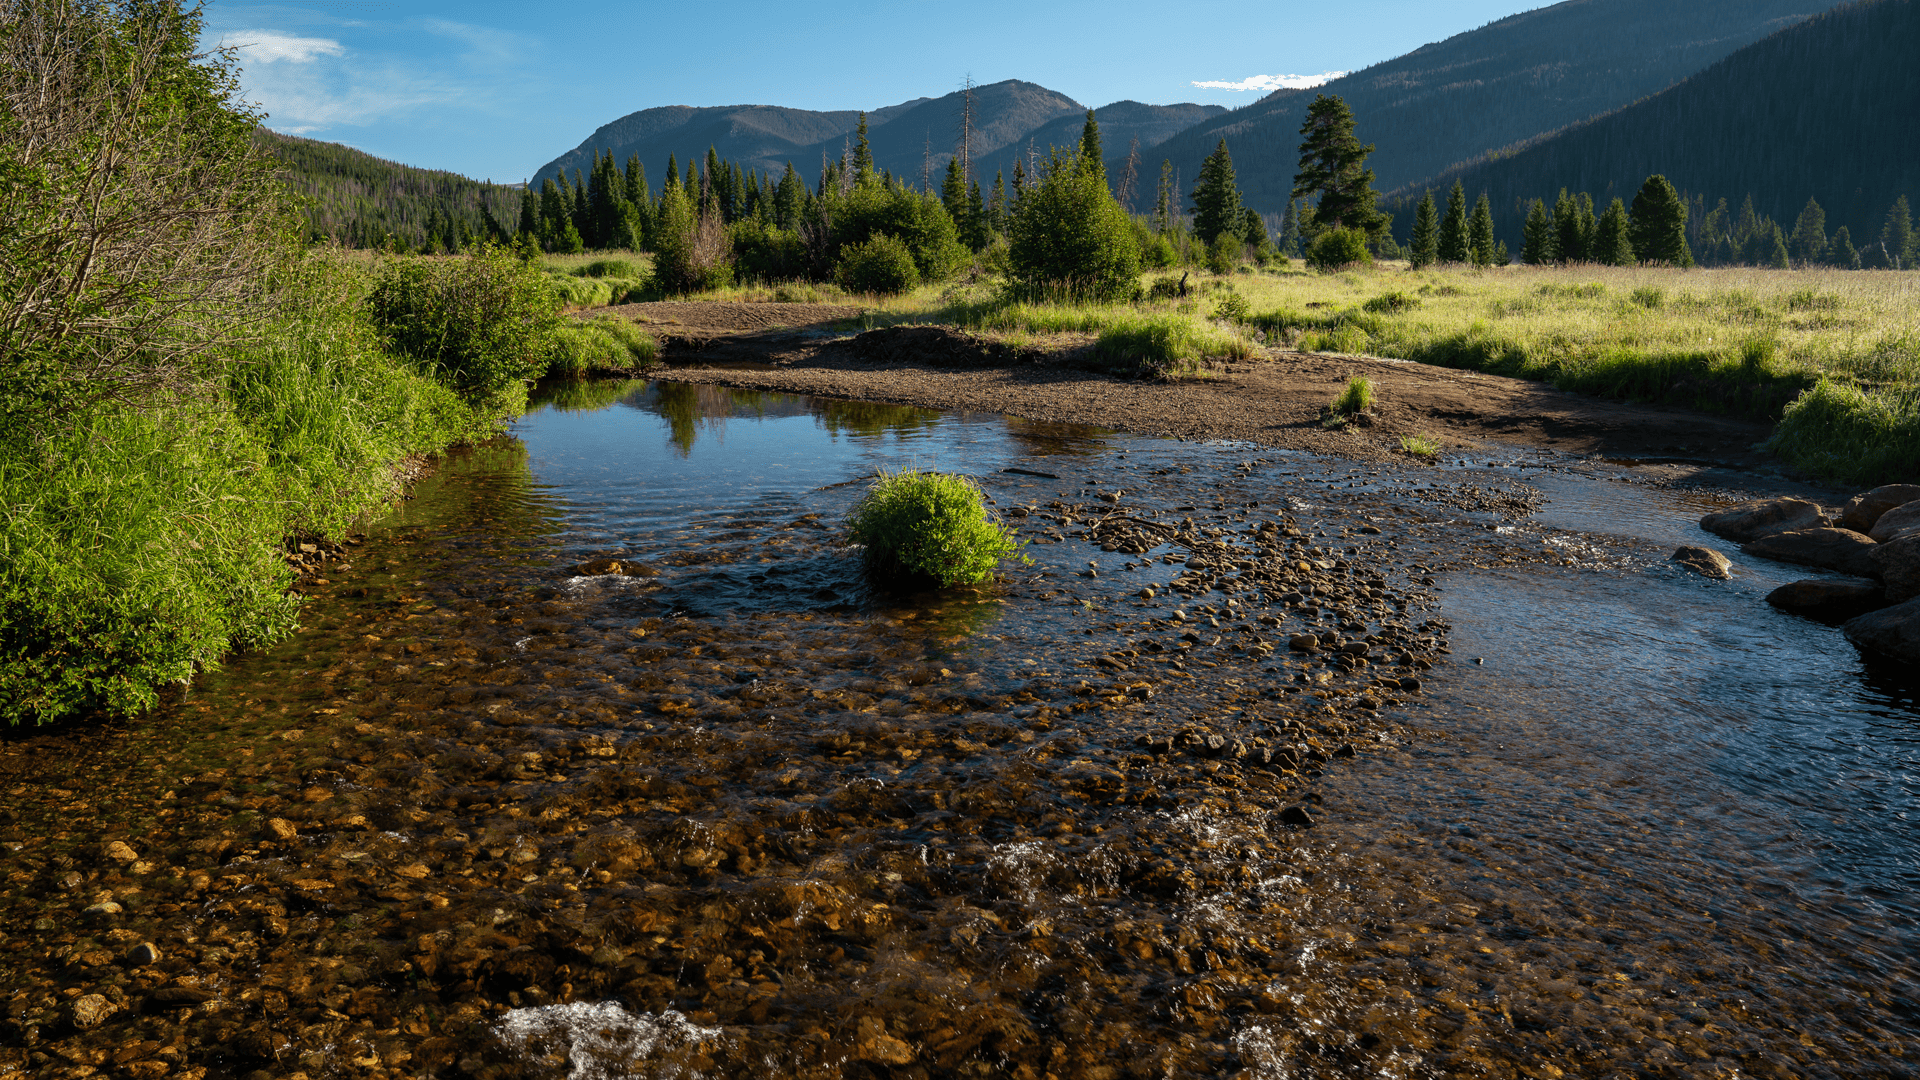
1391 303
609 268
1166 287
1224 253
690 253
482 323
764 252
882 265
1232 308
1355 399
1337 249
605 345
927 524
1070 238
919 221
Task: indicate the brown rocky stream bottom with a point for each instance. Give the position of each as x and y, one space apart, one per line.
488 817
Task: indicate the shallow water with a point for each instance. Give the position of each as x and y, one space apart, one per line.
740 813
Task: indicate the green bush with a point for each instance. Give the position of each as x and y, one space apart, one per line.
882 265
690 253
933 525
482 323
1391 303
766 253
919 221
1224 253
1337 249
1232 308
1355 399
606 345
1069 238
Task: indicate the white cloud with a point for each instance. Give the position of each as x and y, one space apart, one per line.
1274 82
269 46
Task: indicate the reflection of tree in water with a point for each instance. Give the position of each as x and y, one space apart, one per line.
1048 438
687 408
871 419
581 395
947 618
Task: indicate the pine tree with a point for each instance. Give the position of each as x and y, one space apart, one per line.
529 215
1090 159
1897 238
1569 238
1778 259
975 234
1480 232
1585 220
636 180
1290 230
1216 197
862 154
1253 230
1454 245
1537 247
1333 170
1808 243
1424 251
673 176
997 205
1659 224
553 212
1841 250
1612 244
1163 204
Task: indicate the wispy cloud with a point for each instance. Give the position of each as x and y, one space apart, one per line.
271 46
1274 82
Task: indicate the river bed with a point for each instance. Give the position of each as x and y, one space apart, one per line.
1563 809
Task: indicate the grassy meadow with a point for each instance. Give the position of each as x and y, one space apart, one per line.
1832 356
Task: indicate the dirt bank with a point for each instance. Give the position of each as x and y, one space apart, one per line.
1275 399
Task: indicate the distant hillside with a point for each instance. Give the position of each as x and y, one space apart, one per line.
766 137
1510 80
359 199
1121 123
1828 109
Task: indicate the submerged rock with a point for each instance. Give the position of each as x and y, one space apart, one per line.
1829 598
1863 511
1841 550
1704 561
1893 631
1898 522
1751 521
1898 566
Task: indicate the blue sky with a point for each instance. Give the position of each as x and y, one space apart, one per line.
495 90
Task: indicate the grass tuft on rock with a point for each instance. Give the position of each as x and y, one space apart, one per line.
928 524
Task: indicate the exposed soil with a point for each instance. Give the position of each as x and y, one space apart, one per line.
1277 399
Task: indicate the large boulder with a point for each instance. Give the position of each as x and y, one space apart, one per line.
1841 550
1897 565
1893 631
1704 561
1829 598
1900 521
1751 521
1864 509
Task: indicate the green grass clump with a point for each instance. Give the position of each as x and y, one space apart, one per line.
1391 303
609 268
1420 446
1853 435
932 525
1355 399
1162 344
605 345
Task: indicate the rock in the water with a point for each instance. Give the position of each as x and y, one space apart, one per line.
143 954
1841 550
1896 523
1751 521
89 1009
1704 561
1898 565
1893 631
1829 598
1863 511
872 1043
119 851
282 830
1296 816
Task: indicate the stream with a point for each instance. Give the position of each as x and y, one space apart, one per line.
600 756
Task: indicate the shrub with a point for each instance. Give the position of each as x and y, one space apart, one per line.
605 345
765 252
482 323
1157 253
918 220
1337 249
1355 399
1070 238
1224 253
1232 308
882 265
927 524
690 253
1391 303
608 268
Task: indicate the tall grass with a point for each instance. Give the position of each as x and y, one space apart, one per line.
140 546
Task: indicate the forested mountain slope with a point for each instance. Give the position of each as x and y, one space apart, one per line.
1828 109
1510 80
360 200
